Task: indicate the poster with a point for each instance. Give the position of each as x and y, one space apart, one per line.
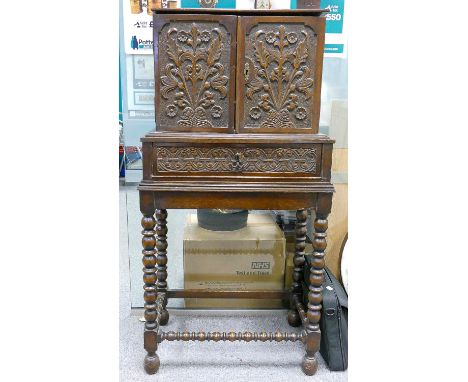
140 86
138 27
138 40
335 39
138 23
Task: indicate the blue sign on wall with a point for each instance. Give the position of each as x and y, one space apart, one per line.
334 24
334 48
335 15
334 18
196 4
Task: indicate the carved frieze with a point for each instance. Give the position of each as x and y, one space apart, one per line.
226 159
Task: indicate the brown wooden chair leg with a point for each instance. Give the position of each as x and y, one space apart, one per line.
149 278
298 272
319 243
161 246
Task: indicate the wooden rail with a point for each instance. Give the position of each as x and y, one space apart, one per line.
231 336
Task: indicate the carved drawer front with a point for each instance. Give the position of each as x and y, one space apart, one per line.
279 74
216 160
195 58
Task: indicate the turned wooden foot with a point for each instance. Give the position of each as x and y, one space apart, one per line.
309 365
152 363
294 319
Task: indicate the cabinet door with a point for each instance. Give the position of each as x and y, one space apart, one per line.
194 61
279 74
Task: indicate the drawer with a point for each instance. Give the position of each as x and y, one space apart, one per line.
236 160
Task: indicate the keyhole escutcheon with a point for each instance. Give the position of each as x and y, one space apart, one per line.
238 161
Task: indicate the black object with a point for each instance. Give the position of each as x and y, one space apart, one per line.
222 220
333 320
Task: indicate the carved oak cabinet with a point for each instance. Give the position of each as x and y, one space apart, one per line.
237 110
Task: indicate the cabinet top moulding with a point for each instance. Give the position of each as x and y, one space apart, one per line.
242 12
169 137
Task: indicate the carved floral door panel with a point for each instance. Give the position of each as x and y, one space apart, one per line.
279 74
195 60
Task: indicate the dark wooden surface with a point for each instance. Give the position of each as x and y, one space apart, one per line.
161 258
149 278
316 279
240 158
168 137
260 72
205 163
274 47
230 200
231 336
189 52
294 318
270 189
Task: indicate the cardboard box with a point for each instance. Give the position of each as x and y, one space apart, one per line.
250 258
